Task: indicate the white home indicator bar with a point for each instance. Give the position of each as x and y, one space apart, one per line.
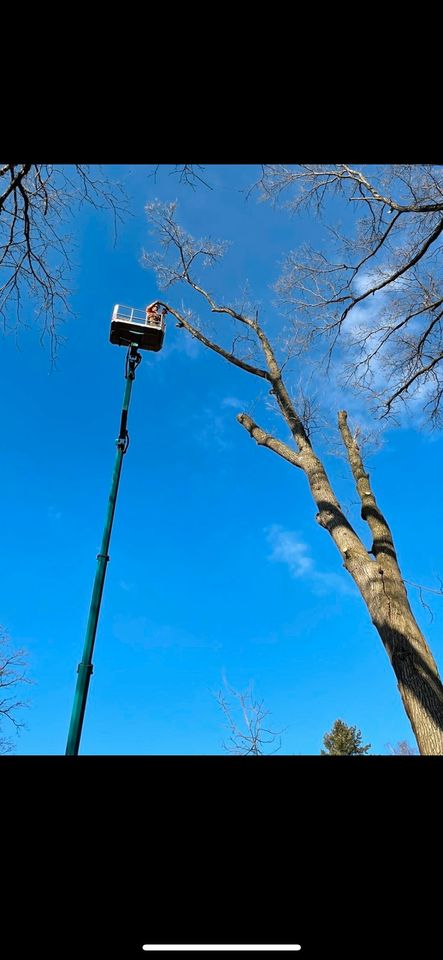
222 946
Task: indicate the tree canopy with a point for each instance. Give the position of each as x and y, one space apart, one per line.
374 289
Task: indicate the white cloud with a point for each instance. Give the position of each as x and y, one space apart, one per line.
363 282
372 278
288 548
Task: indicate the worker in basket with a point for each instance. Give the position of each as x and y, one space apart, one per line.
153 313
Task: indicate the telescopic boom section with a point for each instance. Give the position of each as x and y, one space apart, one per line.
85 667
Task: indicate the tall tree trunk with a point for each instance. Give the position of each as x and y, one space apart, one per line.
418 681
384 593
375 572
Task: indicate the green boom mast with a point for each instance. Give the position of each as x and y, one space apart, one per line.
85 667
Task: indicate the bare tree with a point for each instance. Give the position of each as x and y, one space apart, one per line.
13 665
402 749
376 286
374 569
37 203
248 735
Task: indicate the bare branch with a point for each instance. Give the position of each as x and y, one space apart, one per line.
186 172
250 737
188 253
376 288
401 749
13 665
392 277
383 544
37 204
421 589
405 386
198 335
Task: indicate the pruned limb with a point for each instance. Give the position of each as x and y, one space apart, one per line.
383 543
264 439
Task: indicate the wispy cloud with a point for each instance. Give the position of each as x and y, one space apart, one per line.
287 547
54 514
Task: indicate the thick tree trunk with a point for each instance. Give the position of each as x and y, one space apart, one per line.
418 681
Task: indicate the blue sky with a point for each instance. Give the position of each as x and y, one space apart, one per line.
218 568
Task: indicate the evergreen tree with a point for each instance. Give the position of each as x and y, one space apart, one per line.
343 741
